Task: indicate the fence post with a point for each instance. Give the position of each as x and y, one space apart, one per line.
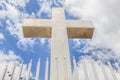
85 70
13 71
75 69
104 72
29 69
94 69
4 72
112 71
38 70
46 71
20 71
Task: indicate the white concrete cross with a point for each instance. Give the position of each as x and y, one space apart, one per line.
59 30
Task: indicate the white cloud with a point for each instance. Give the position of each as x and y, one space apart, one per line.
9 11
16 3
15 17
45 7
1 36
10 56
43 40
26 44
106 19
89 48
20 3
9 59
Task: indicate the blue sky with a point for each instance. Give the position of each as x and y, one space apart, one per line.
14 47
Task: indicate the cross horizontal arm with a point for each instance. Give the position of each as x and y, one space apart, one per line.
37 28
79 23
79 29
37 23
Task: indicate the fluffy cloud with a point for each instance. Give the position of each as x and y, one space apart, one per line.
12 15
45 7
106 19
26 44
10 59
89 48
1 36
17 3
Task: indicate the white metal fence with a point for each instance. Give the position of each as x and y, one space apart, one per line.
114 74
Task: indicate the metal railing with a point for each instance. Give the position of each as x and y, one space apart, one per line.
75 71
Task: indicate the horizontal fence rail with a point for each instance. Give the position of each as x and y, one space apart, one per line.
115 74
